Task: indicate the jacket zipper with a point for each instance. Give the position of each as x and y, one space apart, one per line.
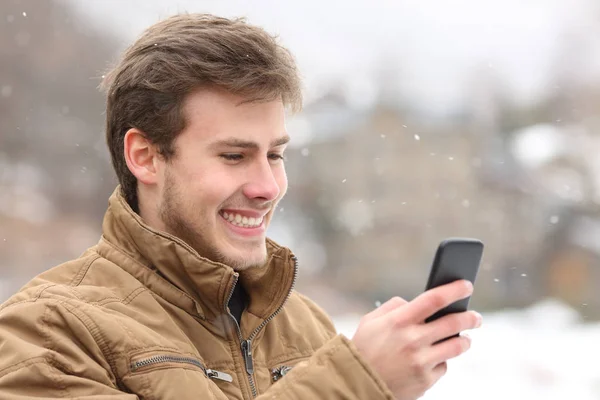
280 372
246 345
210 373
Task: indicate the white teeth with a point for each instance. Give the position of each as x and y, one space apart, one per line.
239 220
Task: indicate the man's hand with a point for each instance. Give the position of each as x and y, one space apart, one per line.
399 345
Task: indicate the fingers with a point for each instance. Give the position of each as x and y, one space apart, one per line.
438 371
450 325
446 350
390 305
433 300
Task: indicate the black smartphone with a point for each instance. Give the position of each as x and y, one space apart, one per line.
455 259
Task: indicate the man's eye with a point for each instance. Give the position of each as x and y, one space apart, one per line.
275 156
232 156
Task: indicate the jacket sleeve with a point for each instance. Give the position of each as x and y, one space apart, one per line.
40 359
335 371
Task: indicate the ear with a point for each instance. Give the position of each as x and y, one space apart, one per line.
141 156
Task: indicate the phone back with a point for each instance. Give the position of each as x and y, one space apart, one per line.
455 259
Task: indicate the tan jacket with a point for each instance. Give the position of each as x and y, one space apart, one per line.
142 315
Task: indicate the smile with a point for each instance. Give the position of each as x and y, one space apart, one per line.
242 221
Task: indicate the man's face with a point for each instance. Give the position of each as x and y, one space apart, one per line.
219 191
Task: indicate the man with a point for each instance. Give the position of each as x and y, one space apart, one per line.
183 296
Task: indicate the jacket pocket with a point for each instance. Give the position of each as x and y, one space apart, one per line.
149 362
166 375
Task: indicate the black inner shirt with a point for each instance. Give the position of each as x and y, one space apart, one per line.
238 302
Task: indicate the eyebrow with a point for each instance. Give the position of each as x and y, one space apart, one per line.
247 144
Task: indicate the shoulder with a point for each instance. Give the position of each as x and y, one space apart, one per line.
89 279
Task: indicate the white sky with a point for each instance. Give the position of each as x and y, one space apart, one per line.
434 46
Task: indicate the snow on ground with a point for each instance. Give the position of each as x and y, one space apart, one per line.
542 352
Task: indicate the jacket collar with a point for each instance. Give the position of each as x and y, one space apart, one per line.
177 273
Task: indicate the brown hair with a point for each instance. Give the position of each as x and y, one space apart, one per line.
172 58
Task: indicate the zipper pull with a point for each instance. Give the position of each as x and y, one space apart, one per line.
278 373
247 353
212 374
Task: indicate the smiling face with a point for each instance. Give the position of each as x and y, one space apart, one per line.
218 193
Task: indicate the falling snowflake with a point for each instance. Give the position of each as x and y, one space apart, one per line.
6 91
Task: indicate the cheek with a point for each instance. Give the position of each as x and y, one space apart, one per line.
211 187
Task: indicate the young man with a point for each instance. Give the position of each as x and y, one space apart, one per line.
184 297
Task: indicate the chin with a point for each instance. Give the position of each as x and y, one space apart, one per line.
241 261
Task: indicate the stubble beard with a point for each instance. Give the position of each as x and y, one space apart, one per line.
177 225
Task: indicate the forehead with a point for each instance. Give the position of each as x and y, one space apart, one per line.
215 114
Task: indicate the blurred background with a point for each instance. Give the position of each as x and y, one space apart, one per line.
423 120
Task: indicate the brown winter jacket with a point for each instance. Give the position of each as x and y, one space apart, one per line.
142 316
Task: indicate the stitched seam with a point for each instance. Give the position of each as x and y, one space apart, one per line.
22 364
227 365
132 259
128 299
368 370
146 388
78 278
102 302
289 358
30 300
96 334
221 286
48 344
122 251
43 360
180 329
302 372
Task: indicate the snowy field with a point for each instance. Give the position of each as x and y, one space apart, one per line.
542 352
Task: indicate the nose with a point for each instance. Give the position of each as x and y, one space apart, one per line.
262 183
